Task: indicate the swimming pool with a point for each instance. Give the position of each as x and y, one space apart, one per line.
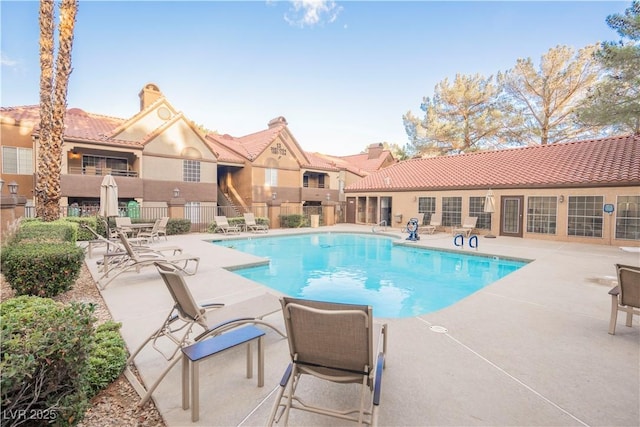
397 280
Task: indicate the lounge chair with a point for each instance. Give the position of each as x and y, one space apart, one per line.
134 259
331 342
223 225
467 226
253 226
626 296
177 329
435 222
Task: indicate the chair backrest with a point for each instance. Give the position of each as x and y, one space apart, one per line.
123 221
330 338
436 218
629 282
163 223
221 221
102 238
185 304
156 226
249 219
126 244
470 222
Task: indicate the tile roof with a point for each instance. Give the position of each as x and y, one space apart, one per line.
79 125
365 162
600 162
248 146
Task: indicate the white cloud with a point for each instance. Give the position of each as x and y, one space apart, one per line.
5 61
308 13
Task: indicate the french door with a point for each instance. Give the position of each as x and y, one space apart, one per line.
511 216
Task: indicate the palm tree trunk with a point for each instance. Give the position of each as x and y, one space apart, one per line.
53 114
46 106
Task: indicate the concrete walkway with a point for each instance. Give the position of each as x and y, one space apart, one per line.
530 349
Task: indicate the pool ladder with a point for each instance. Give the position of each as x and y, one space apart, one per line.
381 223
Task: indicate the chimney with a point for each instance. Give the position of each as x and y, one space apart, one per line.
375 150
277 122
148 95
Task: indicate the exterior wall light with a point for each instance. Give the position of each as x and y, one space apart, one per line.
176 193
273 196
13 187
561 199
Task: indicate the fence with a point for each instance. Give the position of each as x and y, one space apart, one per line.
200 216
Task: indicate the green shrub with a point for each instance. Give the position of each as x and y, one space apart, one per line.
108 357
84 234
44 360
294 221
55 231
41 269
178 226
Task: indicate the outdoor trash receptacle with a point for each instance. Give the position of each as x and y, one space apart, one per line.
315 221
133 209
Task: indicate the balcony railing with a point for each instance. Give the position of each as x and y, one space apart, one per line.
92 170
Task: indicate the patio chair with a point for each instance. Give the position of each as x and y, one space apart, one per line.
332 342
626 296
253 226
123 223
162 227
435 222
177 329
223 225
138 259
151 235
467 226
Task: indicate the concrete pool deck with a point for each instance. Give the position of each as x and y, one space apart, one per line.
530 349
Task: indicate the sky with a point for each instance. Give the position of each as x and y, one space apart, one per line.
342 73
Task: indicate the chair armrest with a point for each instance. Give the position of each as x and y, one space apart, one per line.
615 291
377 381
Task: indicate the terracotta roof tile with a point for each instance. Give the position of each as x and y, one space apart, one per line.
607 161
79 125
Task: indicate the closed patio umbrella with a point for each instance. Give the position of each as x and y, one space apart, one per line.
108 197
490 207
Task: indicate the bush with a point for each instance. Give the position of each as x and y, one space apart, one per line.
44 360
294 221
55 231
178 226
82 233
108 357
41 269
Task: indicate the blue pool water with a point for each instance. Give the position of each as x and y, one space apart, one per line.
398 281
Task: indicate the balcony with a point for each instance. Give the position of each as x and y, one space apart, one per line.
93 170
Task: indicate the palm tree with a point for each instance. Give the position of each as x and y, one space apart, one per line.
53 104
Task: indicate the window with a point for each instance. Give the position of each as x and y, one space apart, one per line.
191 170
541 214
585 216
305 181
106 165
320 181
17 160
451 211
271 177
426 206
476 208
628 217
